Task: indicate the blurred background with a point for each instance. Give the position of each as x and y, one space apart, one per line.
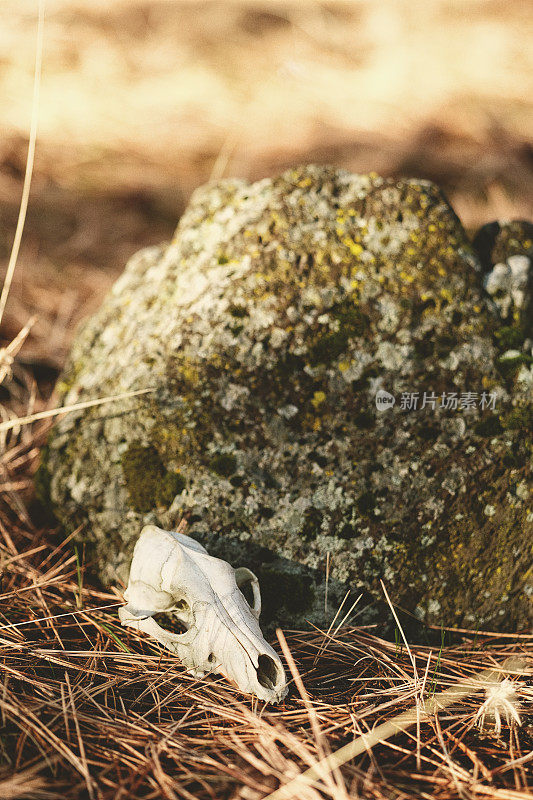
144 100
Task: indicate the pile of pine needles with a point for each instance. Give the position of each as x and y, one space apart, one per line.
94 710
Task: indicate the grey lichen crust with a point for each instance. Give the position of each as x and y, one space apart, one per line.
265 329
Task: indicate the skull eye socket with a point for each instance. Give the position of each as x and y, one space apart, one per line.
170 622
249 587
248 592
176 620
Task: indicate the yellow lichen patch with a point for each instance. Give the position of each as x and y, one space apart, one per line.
215 360
406 277
318 399
190 374
354 247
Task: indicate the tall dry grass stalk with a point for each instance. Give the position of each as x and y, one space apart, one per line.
29 162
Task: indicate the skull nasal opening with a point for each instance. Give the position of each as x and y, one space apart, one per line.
267 672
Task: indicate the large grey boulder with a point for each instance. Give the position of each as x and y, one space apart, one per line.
266 328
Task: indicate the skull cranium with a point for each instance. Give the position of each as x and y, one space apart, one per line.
173 574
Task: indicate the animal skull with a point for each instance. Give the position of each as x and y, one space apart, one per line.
172 573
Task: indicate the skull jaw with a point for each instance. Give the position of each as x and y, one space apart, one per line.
266 680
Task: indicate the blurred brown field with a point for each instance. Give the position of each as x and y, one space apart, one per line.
143 101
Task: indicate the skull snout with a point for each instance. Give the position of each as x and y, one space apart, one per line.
265 674
270 675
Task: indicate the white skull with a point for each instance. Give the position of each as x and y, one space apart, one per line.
172 573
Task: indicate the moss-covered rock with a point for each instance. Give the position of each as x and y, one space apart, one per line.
265 330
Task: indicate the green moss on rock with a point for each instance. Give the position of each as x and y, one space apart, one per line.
494 575
224 464
488 426
348 323
519 419
509 338
366 502
312 523
173 483
148 483
364 420
509 365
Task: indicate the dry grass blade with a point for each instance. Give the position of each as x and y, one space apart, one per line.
26 785
29 162
7 354
54 412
